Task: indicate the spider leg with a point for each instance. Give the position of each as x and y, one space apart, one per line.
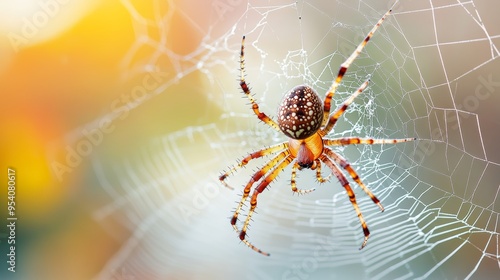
347 167
256 177
343 181
270 150
335 116
369 141
345 66
319 177
294 182
253 200
255 107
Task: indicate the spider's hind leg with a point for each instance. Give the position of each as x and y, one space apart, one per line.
246 90
354 175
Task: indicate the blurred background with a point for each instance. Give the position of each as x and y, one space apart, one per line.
119 116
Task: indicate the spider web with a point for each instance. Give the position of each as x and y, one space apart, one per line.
434 75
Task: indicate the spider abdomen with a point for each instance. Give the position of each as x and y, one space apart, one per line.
300 113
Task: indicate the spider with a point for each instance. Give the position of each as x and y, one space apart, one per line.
305 120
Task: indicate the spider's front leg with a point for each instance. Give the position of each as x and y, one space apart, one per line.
343 181
246 90
258 154
253 200
343 69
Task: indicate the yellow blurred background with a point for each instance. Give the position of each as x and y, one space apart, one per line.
58 67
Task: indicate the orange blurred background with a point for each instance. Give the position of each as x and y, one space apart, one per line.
63 65
51 83
69 69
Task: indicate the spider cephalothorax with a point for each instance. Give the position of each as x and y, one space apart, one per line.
305 120
307 151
